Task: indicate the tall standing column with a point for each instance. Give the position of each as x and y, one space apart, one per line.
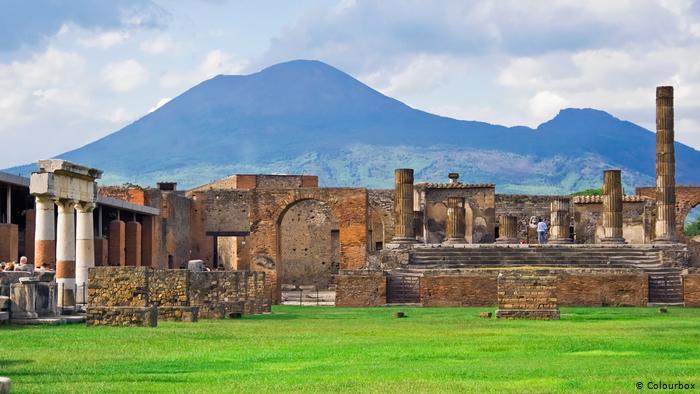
559 221
44 232
507 229
454 233
84 247
665 167
612 207
65 253
403 206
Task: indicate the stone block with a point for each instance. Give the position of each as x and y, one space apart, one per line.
5 385
188 314
4 303
360 288
122 316
47 299
23 297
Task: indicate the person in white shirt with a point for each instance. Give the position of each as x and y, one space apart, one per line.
24 266
542 231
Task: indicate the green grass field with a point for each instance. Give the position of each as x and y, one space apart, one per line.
313 349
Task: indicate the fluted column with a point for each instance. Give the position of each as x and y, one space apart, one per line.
559 221
85 247
454 231
44 232
403 206
665 167
507 229
612 207
65 253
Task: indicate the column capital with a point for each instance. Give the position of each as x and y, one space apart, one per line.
85 206
64 205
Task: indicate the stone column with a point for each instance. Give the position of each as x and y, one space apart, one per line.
507 229
65 252
133 244
612 207
403 206
85 247
665 167
454 233
559 221
44 232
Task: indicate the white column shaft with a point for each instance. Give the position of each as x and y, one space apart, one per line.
65 244
85 247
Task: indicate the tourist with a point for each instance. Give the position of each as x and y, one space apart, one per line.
23 266
2 267
541 232
10 266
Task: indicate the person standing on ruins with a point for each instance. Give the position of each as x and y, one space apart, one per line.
541 232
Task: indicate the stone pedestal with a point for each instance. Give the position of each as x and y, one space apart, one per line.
507 229
403 207
23 298
612 207
47 299
559 221
455 221
527 295
665 167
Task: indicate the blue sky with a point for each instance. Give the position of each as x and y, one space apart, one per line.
74 71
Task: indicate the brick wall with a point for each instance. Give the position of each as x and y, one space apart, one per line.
691 289
360 288
477 288
122 316
168 287
9 242
602 288
132 194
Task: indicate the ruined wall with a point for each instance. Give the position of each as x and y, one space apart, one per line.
173 229
360 288
480 214
687 197
476 288
133 194
118 286
122 316
527 209
691 289
381 202
588 221
213 294
603 288
248 181
307 250
526 294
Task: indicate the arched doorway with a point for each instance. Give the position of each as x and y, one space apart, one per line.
309 245
691 224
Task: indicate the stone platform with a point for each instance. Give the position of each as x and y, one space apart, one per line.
51 321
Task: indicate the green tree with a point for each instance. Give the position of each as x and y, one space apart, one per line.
588 192
692 228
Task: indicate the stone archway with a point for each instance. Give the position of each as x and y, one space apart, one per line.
308 244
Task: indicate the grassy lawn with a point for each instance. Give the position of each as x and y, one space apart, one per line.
314 349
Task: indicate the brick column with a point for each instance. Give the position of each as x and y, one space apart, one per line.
65 252
133 244
148 243
559 221
507 229
29 229
44 232
665 167
85 247
403 207
117 230
455 220
612 207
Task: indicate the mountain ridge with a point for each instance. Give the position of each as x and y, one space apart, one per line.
306 116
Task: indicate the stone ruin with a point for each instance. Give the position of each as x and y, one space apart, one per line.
527 295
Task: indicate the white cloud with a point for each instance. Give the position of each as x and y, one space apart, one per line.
214 63
125 76
544 105
157 45
104 40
